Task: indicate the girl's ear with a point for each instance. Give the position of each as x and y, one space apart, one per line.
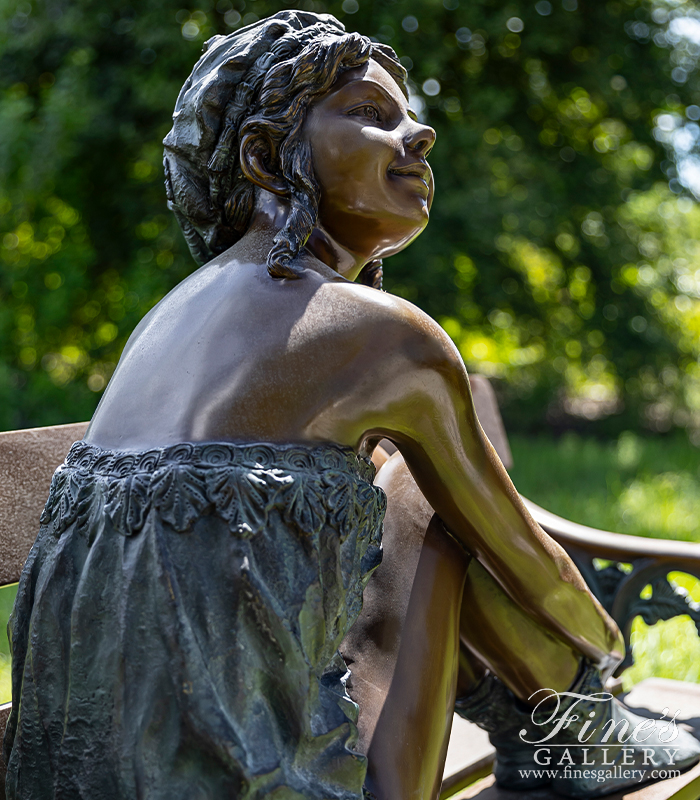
255 155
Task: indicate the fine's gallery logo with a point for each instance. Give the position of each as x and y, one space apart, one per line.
587 737
582 716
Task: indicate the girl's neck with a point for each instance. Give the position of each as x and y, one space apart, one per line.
270 217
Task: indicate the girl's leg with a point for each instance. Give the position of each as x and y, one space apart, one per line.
500 635
403 650
406 662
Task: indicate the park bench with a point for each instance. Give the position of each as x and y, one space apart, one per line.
618 568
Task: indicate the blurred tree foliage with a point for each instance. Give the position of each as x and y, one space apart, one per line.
562 256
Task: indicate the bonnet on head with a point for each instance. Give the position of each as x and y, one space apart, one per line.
201 150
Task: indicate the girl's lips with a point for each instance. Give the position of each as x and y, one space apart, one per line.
418 170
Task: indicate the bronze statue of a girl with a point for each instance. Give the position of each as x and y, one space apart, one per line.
204 549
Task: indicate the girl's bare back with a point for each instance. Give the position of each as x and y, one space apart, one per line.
231 354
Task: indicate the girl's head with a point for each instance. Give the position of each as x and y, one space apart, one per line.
251 91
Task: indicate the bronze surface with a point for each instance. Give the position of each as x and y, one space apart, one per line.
237 353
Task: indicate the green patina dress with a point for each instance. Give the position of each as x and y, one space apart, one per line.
176 630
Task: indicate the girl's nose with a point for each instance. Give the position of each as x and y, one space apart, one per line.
421 138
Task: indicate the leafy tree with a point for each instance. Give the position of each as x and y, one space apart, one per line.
561 256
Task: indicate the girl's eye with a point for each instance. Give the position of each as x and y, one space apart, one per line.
370 112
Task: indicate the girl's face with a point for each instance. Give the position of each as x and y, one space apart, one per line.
369 156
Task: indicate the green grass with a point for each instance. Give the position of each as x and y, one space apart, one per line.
670 648
5 685
640 486
7 598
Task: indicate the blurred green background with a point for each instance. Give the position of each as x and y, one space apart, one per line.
561 254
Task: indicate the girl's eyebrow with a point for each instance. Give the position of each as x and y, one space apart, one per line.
371 84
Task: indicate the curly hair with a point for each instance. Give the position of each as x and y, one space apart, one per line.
257 84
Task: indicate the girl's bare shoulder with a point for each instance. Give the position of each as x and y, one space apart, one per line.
386 322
